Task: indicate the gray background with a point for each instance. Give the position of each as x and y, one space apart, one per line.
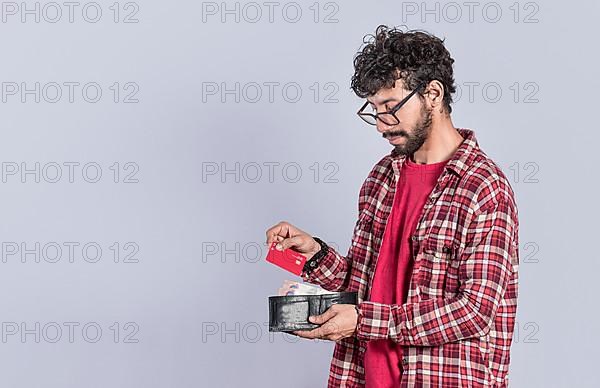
192 311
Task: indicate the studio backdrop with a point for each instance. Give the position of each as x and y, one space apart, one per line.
147 146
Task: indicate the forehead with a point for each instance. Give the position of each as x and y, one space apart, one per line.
384 95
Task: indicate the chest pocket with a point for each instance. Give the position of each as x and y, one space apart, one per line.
438 263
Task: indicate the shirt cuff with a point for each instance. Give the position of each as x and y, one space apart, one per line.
320 273
373 321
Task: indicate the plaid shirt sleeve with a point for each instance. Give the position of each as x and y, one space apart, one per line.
484 272
333 271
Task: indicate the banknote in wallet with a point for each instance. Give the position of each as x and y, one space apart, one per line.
291 287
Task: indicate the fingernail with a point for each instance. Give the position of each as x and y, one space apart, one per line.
311 319
278 246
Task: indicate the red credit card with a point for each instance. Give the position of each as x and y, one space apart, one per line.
287 259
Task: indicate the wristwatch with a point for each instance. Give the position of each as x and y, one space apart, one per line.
314 261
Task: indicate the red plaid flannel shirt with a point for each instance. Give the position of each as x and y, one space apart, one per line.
457 325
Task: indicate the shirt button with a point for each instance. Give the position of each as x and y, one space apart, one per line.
404 361
414 238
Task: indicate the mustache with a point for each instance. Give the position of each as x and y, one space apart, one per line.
395 133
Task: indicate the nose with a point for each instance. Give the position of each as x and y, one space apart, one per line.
383 127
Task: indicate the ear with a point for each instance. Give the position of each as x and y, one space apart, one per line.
435 95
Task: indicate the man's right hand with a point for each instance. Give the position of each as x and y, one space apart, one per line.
288 236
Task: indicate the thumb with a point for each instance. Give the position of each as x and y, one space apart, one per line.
319 319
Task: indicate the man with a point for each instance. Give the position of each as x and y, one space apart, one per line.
434 253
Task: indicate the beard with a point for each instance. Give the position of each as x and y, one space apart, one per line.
417 138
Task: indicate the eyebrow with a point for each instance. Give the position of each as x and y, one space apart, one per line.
385 101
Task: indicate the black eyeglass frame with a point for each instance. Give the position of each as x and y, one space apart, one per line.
391 112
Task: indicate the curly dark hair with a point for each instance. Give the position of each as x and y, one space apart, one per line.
415 56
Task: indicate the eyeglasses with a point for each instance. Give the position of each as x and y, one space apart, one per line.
389 117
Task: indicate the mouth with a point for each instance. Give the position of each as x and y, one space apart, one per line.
394 139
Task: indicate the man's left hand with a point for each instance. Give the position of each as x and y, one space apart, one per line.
338 322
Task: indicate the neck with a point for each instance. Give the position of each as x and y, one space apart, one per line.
443 140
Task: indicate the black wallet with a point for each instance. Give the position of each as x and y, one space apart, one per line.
291 312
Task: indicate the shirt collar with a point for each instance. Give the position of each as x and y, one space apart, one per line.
462 158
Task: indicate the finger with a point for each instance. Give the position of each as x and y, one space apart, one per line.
328 330
320 319
310 334
276 239
272 234
289 243
282 229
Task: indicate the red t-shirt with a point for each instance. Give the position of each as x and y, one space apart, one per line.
394 265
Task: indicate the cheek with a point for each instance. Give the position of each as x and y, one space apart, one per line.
410 116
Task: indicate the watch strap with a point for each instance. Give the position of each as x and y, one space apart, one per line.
317 257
